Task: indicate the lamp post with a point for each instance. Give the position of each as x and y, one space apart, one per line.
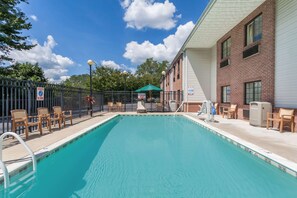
163 76
125 78
90 63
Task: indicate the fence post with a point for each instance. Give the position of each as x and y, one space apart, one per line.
79 103
62 95
29 97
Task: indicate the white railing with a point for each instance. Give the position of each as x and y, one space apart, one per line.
179 107
3 167
5 174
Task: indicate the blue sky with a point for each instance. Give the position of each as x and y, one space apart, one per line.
114 33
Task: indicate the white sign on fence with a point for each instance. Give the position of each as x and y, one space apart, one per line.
40 94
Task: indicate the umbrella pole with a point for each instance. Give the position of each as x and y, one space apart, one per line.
151 101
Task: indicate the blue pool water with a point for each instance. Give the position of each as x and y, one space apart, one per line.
153 156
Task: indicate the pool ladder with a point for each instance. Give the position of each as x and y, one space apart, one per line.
2 165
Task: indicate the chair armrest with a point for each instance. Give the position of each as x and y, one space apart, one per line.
70 111
292 116
226 109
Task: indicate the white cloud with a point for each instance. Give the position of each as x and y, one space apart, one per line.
112 64
125 3
54 65
138 52
34 17
148 13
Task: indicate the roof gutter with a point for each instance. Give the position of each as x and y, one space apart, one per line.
200 20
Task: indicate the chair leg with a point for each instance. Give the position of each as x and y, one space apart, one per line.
40 127
26 131
292 126
267 124
49 123
71 120
281 126
59 122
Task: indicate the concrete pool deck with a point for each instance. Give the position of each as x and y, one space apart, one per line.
282 144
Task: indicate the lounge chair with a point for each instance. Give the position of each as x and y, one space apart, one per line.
140 107
119 106
19 117
282 117
230 112
62 115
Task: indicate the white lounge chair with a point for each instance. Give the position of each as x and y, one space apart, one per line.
140 107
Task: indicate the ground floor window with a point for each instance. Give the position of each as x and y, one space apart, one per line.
226 94
253 91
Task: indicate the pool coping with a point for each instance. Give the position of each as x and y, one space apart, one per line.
18 167
273 159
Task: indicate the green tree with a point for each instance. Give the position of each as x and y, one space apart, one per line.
24 71
109 79
80 81
150 72
13 21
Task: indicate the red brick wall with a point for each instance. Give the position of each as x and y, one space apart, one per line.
256 67
177 84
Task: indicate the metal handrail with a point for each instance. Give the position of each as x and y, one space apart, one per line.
5 174
179 107
26 147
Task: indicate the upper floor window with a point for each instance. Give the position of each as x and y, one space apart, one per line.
226 92
226 48
174 73
178 69
253 91
253 30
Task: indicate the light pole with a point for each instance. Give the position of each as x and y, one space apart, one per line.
163 76
125 78
90 63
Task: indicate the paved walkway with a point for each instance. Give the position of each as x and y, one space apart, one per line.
283 144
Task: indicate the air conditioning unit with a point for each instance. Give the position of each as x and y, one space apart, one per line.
258 113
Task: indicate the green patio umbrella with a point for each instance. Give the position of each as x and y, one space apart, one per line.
148 88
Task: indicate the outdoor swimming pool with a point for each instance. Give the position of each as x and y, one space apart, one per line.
154 156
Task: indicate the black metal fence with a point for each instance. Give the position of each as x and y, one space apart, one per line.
18 94
153 101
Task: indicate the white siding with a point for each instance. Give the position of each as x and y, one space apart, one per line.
198 74
286 54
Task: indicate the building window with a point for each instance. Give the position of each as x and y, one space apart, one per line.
226 91
253 30
174 73
226 48
178 69
253 91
